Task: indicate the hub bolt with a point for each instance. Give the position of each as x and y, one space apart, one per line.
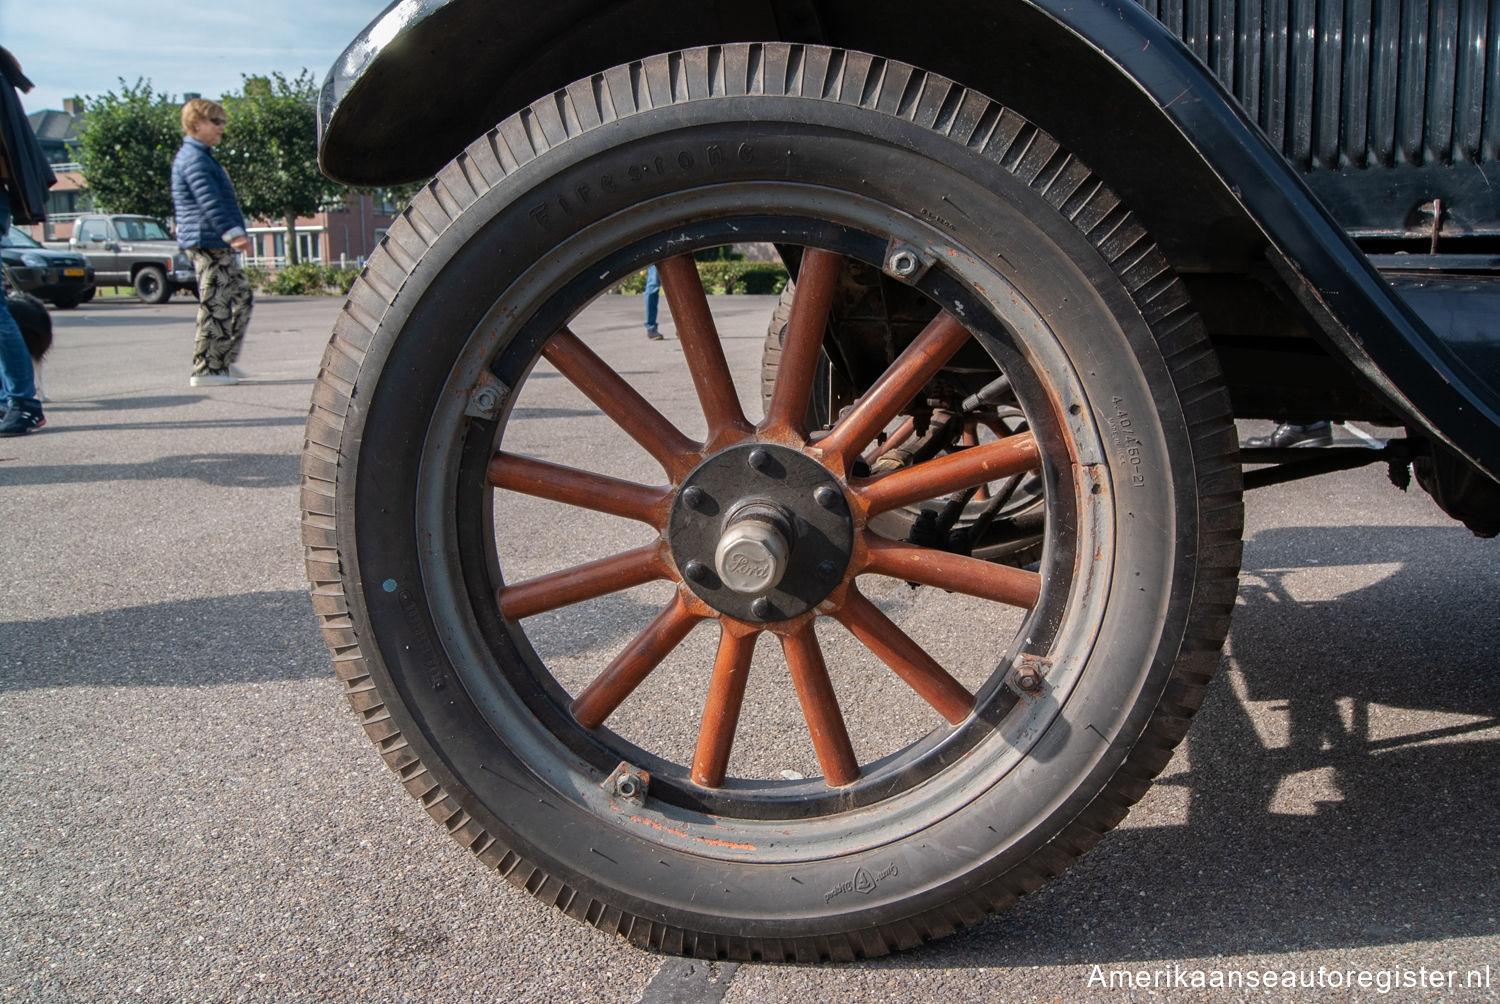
759 459
826 497
696 570
762 608
693 497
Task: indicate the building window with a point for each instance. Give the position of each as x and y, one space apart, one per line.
309 246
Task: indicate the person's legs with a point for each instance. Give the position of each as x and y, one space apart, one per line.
653 297
20 411
241 298
224 300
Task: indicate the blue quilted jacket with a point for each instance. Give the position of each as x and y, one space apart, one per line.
203 198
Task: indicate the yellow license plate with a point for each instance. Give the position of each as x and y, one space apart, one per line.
70 272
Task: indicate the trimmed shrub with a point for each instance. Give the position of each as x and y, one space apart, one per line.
720 277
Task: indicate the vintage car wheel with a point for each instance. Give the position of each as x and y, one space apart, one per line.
740 733
151 285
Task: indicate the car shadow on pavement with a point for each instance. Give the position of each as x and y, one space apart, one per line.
1339 783
249 637
225 470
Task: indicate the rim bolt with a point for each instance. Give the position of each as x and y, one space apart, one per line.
762 608
826 569
826 497
759 459
696 570
693 497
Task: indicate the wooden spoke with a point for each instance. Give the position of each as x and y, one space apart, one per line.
644 653
578 488
971 438
701 346
816 279
894 389
721 712
582 582
820 707
964 469
621 402
955 572
896 649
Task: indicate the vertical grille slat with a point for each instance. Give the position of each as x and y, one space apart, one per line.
1355 83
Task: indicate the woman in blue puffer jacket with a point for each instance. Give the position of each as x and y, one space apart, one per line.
210 228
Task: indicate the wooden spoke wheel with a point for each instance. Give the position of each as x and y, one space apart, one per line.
702 672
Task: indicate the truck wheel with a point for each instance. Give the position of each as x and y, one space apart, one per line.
660 666
151 285
67 301
88 297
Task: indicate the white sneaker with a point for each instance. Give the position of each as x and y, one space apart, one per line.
211 380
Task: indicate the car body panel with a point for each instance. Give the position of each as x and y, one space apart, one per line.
428 76
46 273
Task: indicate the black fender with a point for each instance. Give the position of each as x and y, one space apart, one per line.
1105 78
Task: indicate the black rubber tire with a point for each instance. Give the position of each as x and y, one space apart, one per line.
151 285
66 302
477 271
89 296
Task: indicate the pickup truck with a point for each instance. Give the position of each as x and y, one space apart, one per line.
137 251
835 668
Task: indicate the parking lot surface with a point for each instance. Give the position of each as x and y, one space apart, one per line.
189 811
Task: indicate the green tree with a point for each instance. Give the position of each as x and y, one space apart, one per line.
270 150
126 145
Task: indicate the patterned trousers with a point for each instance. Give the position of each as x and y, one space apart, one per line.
224 301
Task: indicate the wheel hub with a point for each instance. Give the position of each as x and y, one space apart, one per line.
761 532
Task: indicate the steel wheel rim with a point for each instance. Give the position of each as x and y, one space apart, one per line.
474 642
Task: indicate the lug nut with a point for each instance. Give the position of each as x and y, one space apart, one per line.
693 497
759 459
826 569
902 263
696 570
762 608
826 497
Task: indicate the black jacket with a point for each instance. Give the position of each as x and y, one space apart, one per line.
27 173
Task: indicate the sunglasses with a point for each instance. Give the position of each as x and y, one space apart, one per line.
219 122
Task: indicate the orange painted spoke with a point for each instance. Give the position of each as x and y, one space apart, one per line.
895 388
957 573
721 712
577 488
820 707
896 649
644 653
582 582
971 438
620 401
964 469
816 280
701 345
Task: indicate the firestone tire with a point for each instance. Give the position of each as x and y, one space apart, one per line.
859 811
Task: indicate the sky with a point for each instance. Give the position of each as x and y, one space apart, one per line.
83 47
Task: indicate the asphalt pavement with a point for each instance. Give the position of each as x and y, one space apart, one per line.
190 812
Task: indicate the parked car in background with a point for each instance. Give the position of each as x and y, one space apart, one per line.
136 251
62 278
